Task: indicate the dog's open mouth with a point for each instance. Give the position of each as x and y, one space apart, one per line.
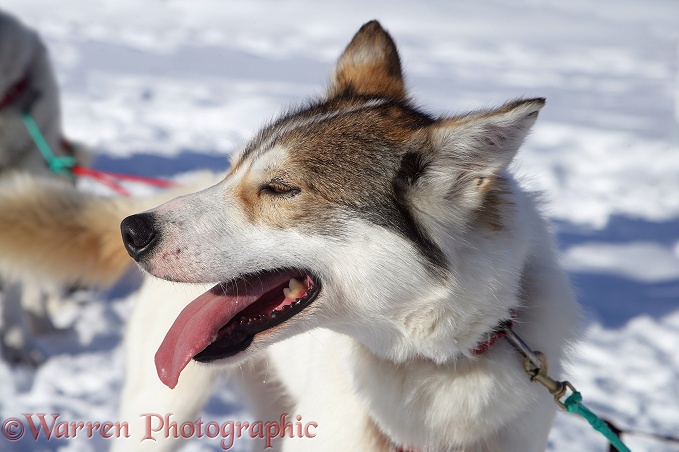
225 319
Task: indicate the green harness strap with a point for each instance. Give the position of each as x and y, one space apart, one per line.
58 165
535 365
574 405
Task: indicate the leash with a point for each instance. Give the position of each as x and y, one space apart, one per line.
535 365
653 436
22 97
67 166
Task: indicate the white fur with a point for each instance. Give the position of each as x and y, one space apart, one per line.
143 393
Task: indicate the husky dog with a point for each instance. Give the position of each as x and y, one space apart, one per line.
361 253
27 84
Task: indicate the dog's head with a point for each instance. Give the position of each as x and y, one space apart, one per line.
350 213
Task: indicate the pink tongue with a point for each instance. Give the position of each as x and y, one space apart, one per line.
196 327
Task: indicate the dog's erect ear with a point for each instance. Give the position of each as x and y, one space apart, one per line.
464 155
370 65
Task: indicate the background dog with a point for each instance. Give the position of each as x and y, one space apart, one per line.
27 84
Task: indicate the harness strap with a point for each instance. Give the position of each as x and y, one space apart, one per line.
18 95
14 92
633 432
67 166
112 180
57 164
535 365
574 405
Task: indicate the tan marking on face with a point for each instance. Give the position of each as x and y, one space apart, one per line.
247 194
260 204
339 160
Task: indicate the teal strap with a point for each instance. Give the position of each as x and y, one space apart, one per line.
58 165
574 405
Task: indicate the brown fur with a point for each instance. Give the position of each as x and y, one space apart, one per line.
496 204
81 247
370 65
338 160
52 232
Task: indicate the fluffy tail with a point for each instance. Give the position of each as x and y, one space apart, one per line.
50 230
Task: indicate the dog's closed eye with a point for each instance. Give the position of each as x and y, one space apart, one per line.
277 187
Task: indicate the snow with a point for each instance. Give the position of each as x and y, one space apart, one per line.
162 88
639 261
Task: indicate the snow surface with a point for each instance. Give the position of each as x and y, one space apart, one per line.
161 88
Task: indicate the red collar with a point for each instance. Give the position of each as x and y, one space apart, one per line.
14 92
499 331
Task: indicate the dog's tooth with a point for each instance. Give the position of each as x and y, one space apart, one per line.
295 289
296 284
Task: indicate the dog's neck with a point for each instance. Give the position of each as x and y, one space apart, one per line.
383 442
427 390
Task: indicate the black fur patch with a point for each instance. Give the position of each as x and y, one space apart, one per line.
413 165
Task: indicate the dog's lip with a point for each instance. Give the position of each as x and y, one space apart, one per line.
200 322
266 313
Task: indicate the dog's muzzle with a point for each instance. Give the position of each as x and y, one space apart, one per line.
139 234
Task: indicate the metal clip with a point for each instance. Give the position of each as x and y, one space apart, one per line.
522 347
558 389
536 366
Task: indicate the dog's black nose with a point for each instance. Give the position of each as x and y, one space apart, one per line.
139 234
